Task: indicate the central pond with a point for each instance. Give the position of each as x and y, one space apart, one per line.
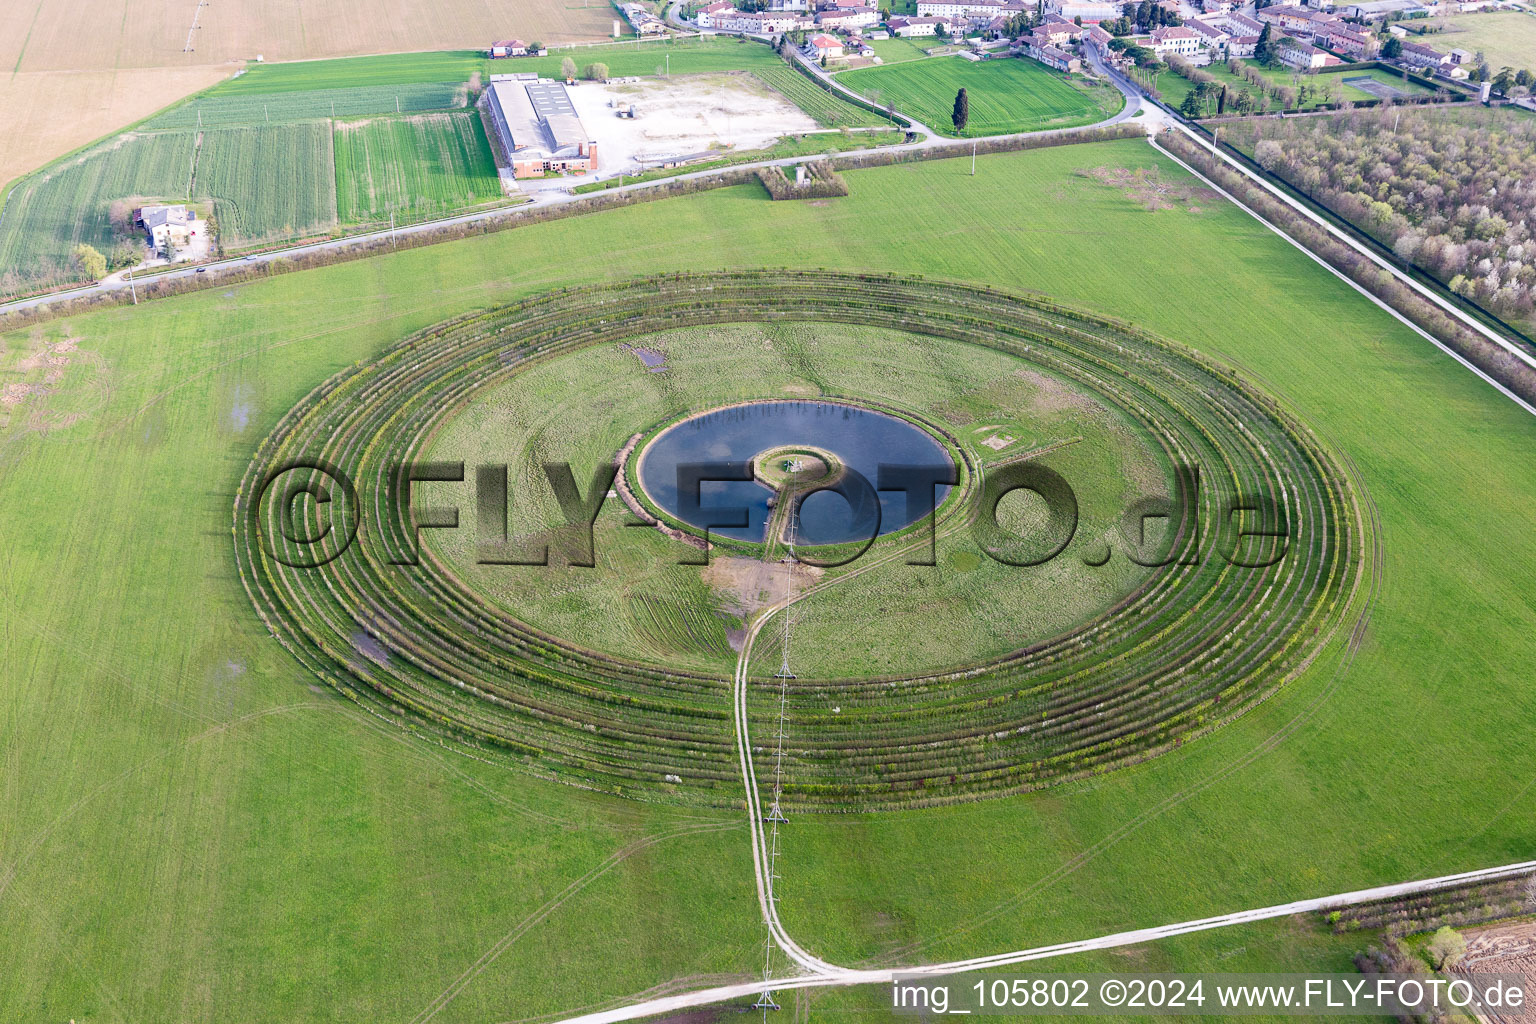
861 439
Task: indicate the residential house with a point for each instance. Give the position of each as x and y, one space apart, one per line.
1341 38
848 18
509 48
1175 39
1297 54
1217 6
165 227
1052 56
1091 11
908 28
1210 36
1417 55
706 15
824 47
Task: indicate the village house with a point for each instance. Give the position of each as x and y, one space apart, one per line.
1217 6
1297 54
908 28
1341 38
1091 11
1176 39
1058 33
1097 36
848 18
1052 56
1417 55
509 48
1210 35
824 47
705 18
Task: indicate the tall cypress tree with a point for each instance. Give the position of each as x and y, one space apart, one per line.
962 112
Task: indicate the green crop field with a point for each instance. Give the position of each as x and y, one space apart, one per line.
73 203
269 183
828 110
1005 95
198 828
217 109
354 72
421 166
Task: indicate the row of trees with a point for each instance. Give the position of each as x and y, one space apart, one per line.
1451 192
594 72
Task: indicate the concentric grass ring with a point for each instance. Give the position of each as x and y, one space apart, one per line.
1199 642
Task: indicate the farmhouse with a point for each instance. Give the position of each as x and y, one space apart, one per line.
537 126
824 47
643 21
509 48
1051 55
165 227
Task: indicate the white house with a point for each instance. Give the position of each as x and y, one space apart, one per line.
705 18
1176 39
165 227
1210 35
848 18
908 28
824 46
1297 54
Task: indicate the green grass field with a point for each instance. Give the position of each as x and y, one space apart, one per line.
1174 87
1504 38
218 109
1005 95
195 829
421 166
72 203
269 183
828 110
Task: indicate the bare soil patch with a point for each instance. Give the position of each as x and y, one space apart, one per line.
1147 187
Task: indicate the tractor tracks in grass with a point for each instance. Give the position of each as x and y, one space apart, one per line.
1356 638
537 917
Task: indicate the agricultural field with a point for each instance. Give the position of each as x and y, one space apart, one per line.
1504 38
264 849
417 166
828 110
269 183
216 109
79 201
1005 95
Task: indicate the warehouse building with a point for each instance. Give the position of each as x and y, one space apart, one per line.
537 126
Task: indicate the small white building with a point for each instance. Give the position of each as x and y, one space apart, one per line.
1297 54
824 47
165 227
908 28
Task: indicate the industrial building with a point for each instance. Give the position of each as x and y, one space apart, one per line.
537 126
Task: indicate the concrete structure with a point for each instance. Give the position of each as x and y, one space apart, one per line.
537 126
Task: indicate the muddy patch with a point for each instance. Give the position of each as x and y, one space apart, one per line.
1148 188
